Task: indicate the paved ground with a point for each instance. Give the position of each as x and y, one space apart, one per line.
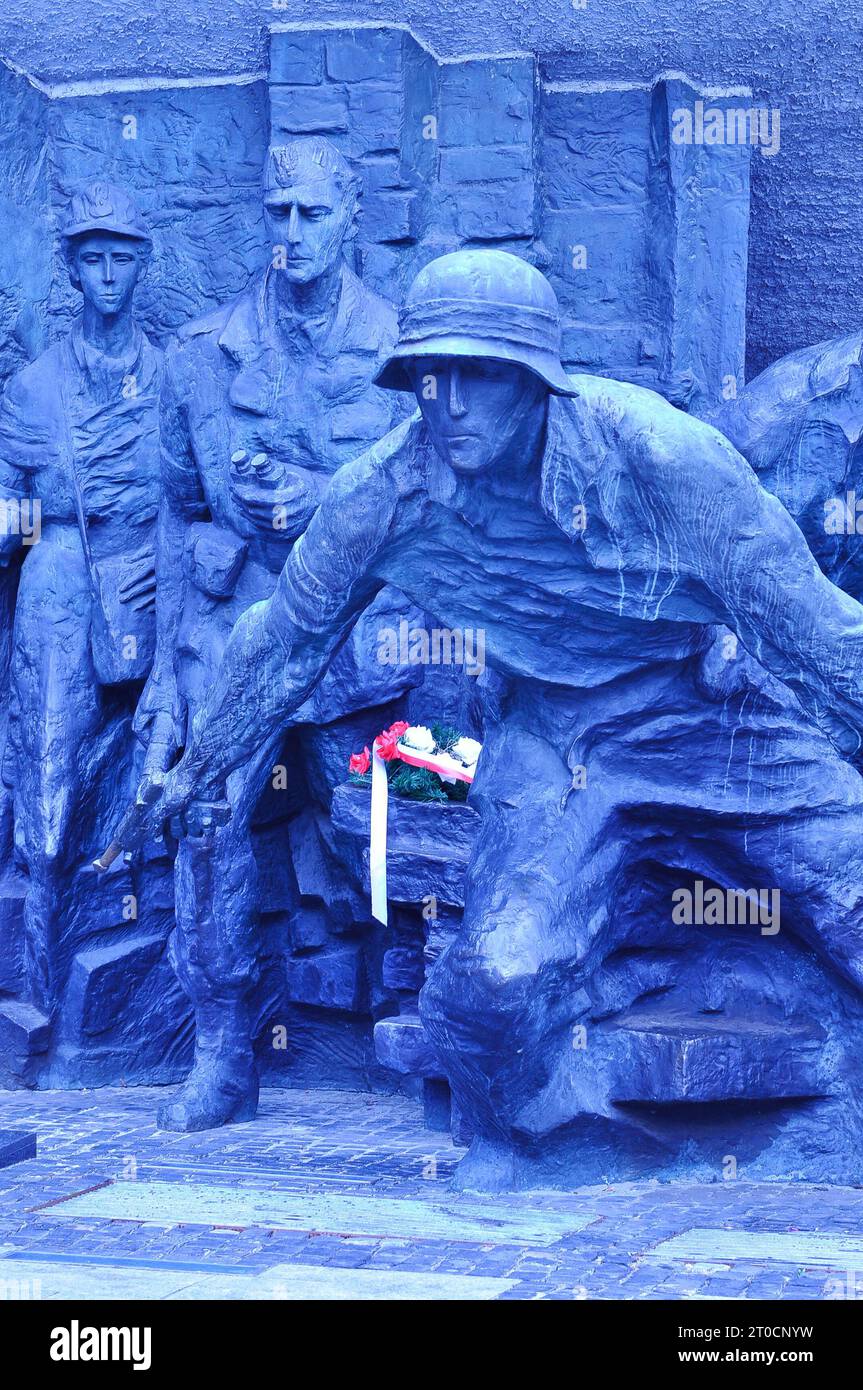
333 1194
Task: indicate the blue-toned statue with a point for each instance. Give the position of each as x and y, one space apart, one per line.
79 457
598 536
263 400
799 424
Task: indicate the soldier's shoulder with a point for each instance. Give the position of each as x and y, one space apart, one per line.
36 382
373 320
652 437
626 410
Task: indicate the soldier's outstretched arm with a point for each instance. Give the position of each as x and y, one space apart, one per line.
279 649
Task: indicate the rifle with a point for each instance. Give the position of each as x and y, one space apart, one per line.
132 830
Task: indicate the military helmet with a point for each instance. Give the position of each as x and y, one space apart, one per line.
480 304
101 207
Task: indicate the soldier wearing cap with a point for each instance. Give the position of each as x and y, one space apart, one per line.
79 449
263 400
597 534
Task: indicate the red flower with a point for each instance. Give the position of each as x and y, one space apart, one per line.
360 762
385 743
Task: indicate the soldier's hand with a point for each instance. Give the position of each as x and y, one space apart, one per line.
187 801
283 507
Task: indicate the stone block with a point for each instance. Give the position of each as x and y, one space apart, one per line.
374 118
665 1059
485 164
357 55
402 1045
436 1104
13 889
496 211
389 215
595 147
382 172
487 101
308 110
24 1038
598 263
428 847
308 928
331 979
16 1145
296 58
320 871
613 346
108 978
124 1015
403 968
276 888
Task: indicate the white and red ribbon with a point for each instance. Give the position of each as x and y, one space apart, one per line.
446 767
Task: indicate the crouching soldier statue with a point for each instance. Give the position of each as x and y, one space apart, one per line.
79 449
596 534
263 400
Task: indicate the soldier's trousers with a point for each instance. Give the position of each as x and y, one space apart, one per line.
213 948
575 790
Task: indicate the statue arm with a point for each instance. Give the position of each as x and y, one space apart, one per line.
180 502
767 586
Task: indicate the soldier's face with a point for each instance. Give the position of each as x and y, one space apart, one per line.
106 269
475 409
308 224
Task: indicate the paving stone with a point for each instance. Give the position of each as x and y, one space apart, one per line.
604 1242
16 1145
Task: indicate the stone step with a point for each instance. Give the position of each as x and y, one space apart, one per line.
401 1043
16 1145
428 844
24 1035
663 1059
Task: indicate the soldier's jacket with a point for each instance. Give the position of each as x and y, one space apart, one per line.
679 536
246 377
107 411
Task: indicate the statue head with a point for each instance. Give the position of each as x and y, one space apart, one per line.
311 198
479 345
106 246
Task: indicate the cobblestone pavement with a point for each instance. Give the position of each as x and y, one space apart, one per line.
338 1194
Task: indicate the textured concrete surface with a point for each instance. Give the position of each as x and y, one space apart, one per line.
337 1151
806 232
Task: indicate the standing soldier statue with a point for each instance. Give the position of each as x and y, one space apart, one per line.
263 400
79 446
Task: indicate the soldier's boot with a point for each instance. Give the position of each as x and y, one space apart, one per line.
222 1087
213 954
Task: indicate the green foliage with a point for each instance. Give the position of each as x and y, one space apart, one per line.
415 782
444 736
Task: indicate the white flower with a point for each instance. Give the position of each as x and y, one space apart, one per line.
419 738
468 750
